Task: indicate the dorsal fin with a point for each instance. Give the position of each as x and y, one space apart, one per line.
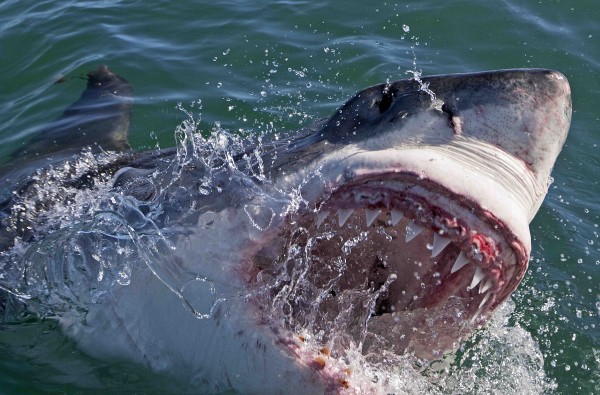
99 118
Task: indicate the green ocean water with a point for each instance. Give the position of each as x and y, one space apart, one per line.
257 65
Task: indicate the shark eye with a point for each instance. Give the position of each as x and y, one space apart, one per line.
386 99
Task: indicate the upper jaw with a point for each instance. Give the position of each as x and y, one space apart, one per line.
508 194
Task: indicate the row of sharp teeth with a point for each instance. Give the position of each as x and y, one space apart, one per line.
413 230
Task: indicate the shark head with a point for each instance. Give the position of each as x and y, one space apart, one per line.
419 194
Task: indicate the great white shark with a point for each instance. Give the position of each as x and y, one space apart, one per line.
393 228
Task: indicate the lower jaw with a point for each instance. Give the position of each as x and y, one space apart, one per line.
426 333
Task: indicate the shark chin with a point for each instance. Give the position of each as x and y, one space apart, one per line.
390 231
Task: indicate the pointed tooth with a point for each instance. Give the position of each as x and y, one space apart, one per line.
413 230
439 243
485 286
343 215
477 277
371 215
485 299
480 308
475 316
322 216
461 261
396 216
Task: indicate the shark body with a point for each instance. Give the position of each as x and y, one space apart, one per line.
395 227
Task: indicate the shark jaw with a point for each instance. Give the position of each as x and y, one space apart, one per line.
426 266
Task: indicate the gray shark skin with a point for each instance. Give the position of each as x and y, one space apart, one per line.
391 230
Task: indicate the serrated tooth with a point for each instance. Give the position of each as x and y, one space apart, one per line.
477 277
485 286
439 243
371 215
343 215
461 261
322 216
396 216
485 299
413 230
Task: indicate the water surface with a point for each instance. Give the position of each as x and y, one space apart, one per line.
257 65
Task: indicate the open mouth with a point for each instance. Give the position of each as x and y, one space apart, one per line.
396 261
